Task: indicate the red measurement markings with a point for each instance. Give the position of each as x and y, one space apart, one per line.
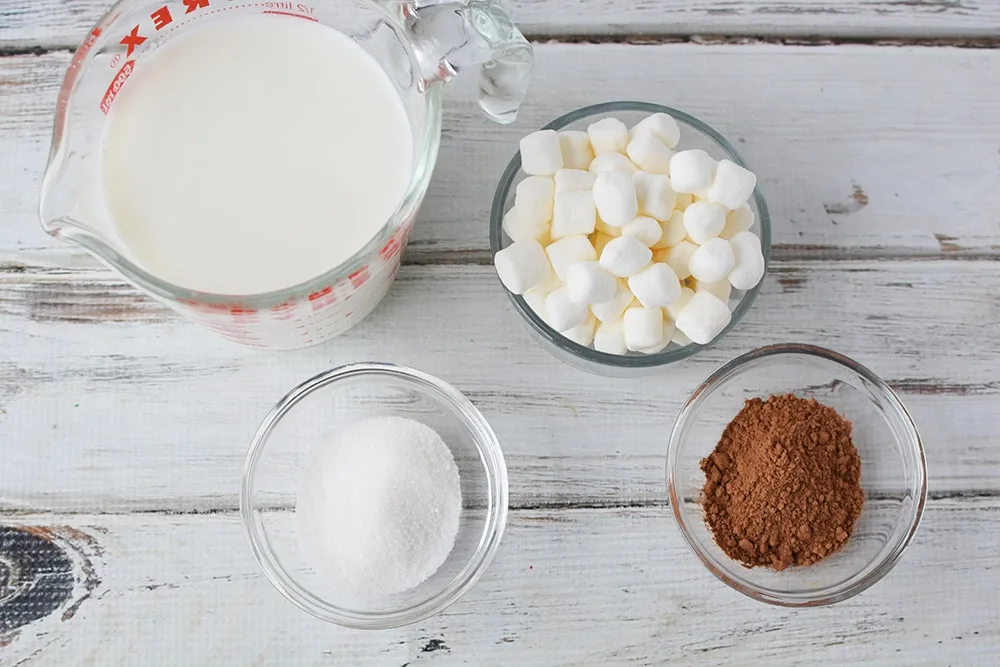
116 84
298 16
359 277
322 298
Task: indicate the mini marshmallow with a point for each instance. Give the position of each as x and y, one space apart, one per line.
749 267
732 185
535 298
582 334
668 332
587 282
738 220
672 231
541 154
574 179
612 162
576 150
612 309
703 318
643 328
649 153
704 220
625 256
653 193
522 265
608 135
600 239
691 171
712 261
655 286
679 338
520 229
605 228
568 251
610 337
534 198
562 312
675 308
645 229
662 126
679 258
721 289
683 201
574 213
614 196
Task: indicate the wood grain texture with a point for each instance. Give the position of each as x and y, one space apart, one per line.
854 151
582 587
62 23
112 403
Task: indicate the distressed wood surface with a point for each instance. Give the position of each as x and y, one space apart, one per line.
62 23
883 151
576 587
124 428
96 417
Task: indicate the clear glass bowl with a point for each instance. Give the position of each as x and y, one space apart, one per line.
893 470
307 416
694 134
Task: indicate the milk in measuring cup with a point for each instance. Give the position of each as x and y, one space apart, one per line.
254 153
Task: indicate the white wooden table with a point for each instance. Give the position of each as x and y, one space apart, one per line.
875 128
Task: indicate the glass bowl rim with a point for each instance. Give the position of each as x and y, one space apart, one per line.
490 453
913 443
603 358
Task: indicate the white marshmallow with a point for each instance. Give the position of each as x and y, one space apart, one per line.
600 239
649 153
605 228
749 258
574 213
653 193
518 228
522 265
645 229
683 201
668 332
712 261
662 126
582 334
576 150
703 318
679 258
643 328
534 198
612 162
610 337
679 338
608 135
738 220
691 171
535 298
721 289
587 282
574 179
704 220
562 312
732 185
625 256
675 308
612 309
568 251
540 153
655 286
614 196
672 231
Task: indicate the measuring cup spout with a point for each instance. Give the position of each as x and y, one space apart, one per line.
448 37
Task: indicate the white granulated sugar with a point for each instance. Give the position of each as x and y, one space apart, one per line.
379 507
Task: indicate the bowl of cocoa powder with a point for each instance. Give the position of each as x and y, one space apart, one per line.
796 475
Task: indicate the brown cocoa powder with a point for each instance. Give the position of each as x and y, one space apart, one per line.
783 486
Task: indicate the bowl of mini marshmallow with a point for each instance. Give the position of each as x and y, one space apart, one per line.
629 235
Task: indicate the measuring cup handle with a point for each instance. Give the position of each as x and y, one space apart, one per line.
449 36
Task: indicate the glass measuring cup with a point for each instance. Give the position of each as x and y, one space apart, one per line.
420 44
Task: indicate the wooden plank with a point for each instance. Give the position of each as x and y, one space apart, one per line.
110 402
583 587
62 23
852 150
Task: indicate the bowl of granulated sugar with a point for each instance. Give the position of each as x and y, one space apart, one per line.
374 495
